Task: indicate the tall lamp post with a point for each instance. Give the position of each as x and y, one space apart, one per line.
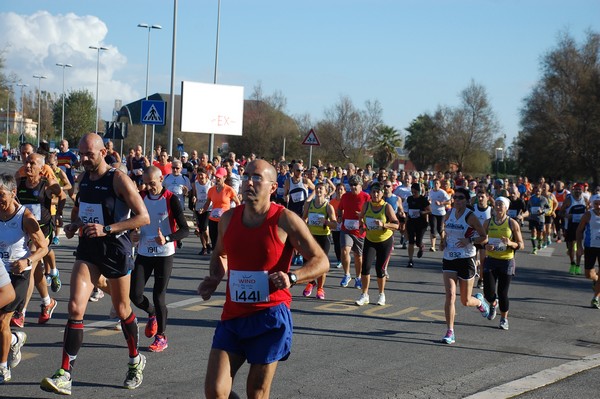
8 115
39 129
62 130
22 85
98 49
149 27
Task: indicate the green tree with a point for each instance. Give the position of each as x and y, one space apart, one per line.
424 142
384 145
80 114
562 113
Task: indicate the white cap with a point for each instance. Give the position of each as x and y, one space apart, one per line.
505 200
184 154
595 197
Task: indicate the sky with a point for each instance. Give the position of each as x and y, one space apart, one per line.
410 55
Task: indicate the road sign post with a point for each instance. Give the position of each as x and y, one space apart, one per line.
311 140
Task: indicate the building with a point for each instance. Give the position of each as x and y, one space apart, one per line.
16 125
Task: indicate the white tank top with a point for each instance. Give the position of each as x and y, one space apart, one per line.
13 239
201 195
455 230
591 238
159 212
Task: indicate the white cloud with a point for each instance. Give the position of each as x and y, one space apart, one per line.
34 43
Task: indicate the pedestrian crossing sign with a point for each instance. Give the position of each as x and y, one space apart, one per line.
311 138
153 112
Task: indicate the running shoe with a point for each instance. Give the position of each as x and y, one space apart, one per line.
97 294
493 312
484 308
449 337
381 299
572 269
46 311
4 375
202 252
358 283
208 249
410 264
320 293
577 270
596 302
55 283
534 251
338 265
55 241
60 383
420 252
345 280
135 376
363 299
160 343
151 327
432 249
308 290
14 354
18 319
503 324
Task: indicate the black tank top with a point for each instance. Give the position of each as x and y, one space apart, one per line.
36 200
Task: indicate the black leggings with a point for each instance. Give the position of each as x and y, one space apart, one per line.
324 243
335 235
379 252
162 267
415 232
490 278
213 232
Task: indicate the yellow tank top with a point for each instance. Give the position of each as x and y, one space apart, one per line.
495 233
316 218
58 177
376 233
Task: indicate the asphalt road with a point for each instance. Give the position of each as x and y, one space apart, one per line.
341 350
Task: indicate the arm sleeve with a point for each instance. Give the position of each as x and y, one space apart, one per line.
183 229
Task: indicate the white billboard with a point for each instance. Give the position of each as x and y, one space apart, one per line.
212 108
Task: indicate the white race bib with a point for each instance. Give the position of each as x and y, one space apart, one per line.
176 189
372 224
249 286
414 213
497 243
152 247
351 224
315 219
297 196
216 212
91 213
280 191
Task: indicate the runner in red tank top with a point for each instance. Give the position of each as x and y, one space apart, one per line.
254 248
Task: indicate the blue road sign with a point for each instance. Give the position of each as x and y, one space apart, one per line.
153 112
180 147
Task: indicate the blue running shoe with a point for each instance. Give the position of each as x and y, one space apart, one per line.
358 283
484 308
449 337
345 280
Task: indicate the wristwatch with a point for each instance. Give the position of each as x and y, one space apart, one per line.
107 229
167 239
29 262
293 278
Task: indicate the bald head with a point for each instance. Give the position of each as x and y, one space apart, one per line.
152 172
92 141
261 165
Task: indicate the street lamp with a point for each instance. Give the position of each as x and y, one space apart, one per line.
62 131
39 129
97 48
149 27
7 114
22 85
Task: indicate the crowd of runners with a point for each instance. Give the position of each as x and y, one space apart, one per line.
129 215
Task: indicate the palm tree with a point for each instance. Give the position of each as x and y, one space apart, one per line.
384 145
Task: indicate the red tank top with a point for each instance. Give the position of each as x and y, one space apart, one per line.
253 250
